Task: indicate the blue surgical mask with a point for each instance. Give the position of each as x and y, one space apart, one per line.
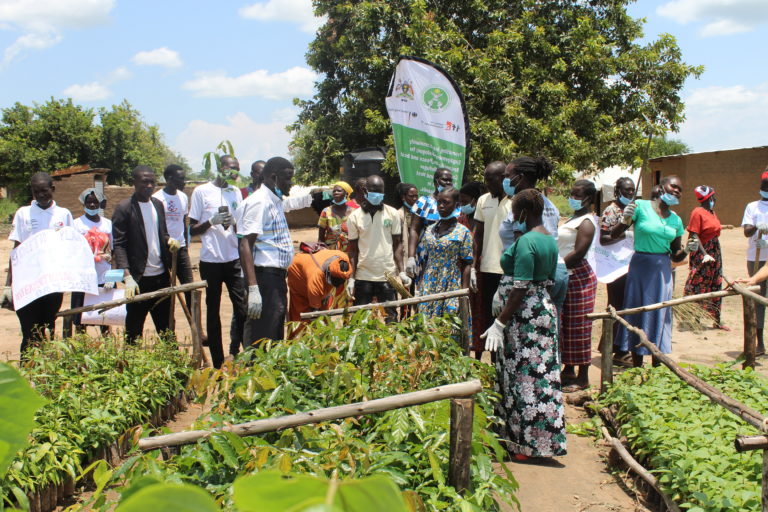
467 209
440 188
343 201
764 194
670 199
575 204
508 188
624 200
375 198
91 212
711 204
278 192
519 226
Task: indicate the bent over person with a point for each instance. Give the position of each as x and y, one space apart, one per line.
143 250
313 278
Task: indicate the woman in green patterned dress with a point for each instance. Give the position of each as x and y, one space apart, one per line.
525 335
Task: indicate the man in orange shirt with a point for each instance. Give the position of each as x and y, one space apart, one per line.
314 278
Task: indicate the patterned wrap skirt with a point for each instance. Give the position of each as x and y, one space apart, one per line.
706 277
649 281
528 378
576 330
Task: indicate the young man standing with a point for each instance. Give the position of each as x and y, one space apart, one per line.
375 238
39 315
257 168
143 250
211 217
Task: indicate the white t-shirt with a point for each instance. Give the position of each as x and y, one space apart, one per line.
83 225
32 219
219 244
155 265
176 208
491 211
755 213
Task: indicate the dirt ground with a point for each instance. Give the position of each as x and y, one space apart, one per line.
579 481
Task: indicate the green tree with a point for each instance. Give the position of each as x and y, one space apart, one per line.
562 78
663 146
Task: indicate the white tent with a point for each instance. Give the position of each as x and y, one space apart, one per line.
605 180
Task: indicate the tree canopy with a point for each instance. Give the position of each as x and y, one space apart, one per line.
567 79
59 133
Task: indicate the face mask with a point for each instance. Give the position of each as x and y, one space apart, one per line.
669 199
440 188
519 226
278 192
711 204
467 209
575 204
508 188
624 200
764 194
375 198
91 212
339 203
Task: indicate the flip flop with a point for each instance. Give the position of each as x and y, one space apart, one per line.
572 388
624 361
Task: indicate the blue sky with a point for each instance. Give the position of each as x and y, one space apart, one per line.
206 71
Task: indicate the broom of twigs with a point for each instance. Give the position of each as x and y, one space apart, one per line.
692 316
397 285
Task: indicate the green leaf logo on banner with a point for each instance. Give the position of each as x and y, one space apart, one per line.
436 99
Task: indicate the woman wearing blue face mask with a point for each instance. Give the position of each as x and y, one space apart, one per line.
623 193
574 241
658 232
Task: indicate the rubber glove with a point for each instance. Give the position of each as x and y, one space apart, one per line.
131 287
763 227
473 280
173 245
351 287
405 279
6 298
497 304
761 244
254 302
628 213
221 218
108 285
410 267
494 336
691 246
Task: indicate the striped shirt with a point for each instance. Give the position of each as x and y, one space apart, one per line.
426 208
262 214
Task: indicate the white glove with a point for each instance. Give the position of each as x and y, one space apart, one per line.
629 212
405 279
497 304
254 302
761 243
109 285
691 246
494 336
410 267
131 287
473 280
351 287
6 298
707 259
221 218
173 245
762 227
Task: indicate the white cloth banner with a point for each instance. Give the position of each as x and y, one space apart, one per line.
612 261
114 316
52 261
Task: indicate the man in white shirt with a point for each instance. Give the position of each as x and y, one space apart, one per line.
755 225
142 248
211 217
38 316
266 252
176 206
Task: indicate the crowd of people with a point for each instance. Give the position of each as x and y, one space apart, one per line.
530 274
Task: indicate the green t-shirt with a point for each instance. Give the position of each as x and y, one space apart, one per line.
652 232
533 257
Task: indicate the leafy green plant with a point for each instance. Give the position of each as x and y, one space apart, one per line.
18 404
212 158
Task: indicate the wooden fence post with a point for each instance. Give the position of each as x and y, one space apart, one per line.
462 414
750 332
464 333
195 322
606 355
67 327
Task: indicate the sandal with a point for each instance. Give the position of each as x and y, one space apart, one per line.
572 388
624 361
723 327
520 457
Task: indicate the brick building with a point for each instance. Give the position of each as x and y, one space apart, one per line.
734 174
70 182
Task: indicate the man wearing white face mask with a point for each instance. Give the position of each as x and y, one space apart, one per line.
375 238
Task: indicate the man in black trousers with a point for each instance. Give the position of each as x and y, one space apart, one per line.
142 248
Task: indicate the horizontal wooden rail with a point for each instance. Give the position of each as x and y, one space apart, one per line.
390 304
103 306
460 390
682 300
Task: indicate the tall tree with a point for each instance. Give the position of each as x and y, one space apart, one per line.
562 78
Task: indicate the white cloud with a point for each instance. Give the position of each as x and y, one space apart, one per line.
41 21
295 82
93 91
163 56
720 17
252 139
119 74
295 11
731 117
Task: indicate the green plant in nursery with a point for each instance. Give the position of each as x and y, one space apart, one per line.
18 405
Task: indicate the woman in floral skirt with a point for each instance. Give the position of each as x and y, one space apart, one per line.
525 335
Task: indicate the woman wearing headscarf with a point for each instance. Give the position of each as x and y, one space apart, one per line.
332 224
705 265
658 234
98 232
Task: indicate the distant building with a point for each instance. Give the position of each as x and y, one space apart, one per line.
734 174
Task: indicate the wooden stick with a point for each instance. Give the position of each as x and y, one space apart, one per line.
606 355
389 304
460 390
639 469
465 336
748 443
462 414
737 289
748 414
747 292
750 332
103 306
194 327
171 315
